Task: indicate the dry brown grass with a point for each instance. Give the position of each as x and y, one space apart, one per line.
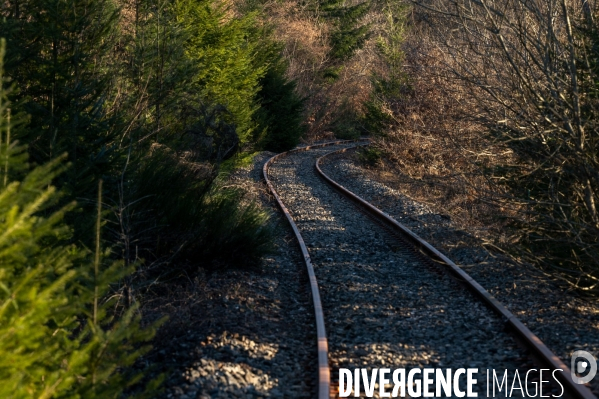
436 150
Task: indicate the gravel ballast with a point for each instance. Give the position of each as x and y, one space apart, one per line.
563 320
242 333
383 307
251 334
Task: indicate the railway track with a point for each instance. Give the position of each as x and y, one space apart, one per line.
382 296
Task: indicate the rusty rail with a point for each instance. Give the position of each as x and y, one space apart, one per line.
530 340
324 375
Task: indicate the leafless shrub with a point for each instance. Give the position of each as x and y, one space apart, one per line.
433 145
527 73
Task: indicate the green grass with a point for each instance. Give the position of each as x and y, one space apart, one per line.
241 160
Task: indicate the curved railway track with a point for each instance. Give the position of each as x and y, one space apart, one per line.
371 255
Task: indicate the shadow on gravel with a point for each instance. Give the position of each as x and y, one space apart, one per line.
563 320
229 335
238 333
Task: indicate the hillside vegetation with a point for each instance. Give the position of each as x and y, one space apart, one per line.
117 119
496 122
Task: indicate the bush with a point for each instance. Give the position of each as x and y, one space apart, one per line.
185 217
232 232
375 120
346 124
58 335
370 156
280 114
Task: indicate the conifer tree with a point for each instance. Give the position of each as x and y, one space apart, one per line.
157 73
57 50
59 336
223 48
349 34
280 113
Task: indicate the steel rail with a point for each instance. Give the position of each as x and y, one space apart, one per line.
324 374
530 340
